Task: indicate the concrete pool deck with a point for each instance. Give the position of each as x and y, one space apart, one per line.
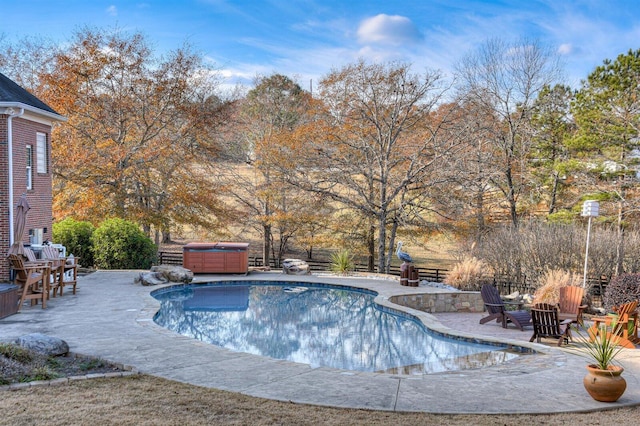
112 318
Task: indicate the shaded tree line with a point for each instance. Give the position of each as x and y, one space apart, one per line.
379 153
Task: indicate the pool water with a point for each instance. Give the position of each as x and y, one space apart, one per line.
317 325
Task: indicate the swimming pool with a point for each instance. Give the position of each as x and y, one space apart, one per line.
316 324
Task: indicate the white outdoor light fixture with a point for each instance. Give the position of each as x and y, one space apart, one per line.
590 209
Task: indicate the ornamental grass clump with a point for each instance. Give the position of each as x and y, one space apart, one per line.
469 274
550 284
342 262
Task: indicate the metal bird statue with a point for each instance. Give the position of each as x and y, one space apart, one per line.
402 255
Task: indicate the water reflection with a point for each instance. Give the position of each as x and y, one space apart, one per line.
317 326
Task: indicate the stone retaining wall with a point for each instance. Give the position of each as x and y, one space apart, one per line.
468 301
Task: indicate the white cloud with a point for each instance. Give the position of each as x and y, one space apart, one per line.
565 49
112 10
388 29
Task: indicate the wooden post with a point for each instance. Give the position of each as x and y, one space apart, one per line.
404 276
414 277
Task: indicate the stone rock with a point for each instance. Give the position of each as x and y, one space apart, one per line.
151 278
515 296
295 267
436 284
163 274
173 273
41 343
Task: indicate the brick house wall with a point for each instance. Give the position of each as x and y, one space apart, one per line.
40 216
27 117
4 198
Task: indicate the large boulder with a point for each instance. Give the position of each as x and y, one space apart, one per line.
173 273
295 267
163 274
41 343
150 279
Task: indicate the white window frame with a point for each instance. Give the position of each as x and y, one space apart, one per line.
41 153
29 164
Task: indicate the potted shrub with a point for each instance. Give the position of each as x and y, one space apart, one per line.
603 380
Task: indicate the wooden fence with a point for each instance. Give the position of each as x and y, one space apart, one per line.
170 258
430 274
596 285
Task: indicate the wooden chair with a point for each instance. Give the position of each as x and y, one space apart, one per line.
56 263
620 326
570 305
547 324
496 308
33 280
32 260
70 273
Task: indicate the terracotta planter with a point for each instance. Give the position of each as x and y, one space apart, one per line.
605 385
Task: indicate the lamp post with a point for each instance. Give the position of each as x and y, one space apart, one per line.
590 209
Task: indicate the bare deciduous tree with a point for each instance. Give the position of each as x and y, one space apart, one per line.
505 80
377 145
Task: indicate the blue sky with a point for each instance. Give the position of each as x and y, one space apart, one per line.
305 39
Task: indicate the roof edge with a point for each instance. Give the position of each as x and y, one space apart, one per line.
31 108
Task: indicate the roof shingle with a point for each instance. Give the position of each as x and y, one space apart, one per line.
12 92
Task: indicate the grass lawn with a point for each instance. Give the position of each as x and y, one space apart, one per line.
147 400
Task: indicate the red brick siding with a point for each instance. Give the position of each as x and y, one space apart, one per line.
40 198
4 201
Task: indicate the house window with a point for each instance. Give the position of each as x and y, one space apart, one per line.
29 167
36 236
41 153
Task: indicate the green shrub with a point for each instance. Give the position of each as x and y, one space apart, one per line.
342 262
76 237
120 244
622 289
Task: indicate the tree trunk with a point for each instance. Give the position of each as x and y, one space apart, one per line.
392 243
620 243
479 217
382 239
371 247
554 192
511 198
266 245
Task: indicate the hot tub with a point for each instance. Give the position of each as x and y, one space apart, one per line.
214 258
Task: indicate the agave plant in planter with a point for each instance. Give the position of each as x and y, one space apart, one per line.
603 380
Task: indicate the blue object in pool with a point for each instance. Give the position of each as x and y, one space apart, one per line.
317 325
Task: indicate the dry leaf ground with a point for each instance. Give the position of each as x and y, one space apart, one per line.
147 400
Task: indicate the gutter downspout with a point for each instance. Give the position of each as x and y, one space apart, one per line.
10 118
